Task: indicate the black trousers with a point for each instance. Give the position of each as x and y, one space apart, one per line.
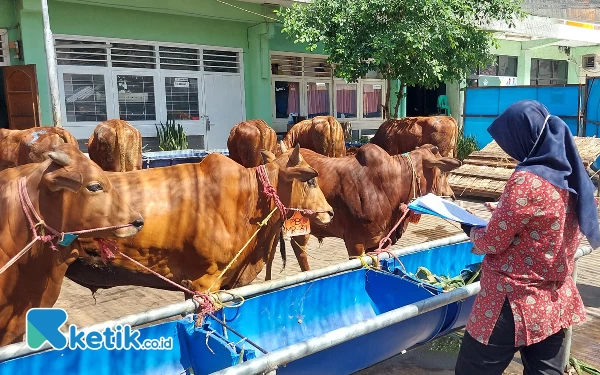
543 358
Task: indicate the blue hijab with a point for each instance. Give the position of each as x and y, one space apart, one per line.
544 146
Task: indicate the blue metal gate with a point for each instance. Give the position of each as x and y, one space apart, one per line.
484 104
591 126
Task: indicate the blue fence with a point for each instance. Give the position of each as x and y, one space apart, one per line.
592 108
484 104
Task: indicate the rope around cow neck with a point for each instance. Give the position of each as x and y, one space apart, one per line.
30 214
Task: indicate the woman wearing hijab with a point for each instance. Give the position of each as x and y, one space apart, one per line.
528 297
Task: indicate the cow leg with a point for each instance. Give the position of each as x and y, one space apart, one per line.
271 257
299 246
355 249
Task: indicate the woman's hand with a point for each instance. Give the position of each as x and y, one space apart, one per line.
491 205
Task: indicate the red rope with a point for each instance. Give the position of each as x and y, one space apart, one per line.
108 248
30 214
386 242
269 190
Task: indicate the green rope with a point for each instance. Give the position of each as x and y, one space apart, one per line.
582 368
447 283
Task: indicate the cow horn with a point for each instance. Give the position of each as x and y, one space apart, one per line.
59 158
295 157
283 147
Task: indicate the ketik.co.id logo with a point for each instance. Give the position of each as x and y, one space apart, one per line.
44 325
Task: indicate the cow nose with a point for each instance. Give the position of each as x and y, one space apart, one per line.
138 223
330 214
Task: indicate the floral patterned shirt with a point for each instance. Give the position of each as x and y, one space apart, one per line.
529 246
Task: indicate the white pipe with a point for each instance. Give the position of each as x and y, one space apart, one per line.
51 65
268 286
272 360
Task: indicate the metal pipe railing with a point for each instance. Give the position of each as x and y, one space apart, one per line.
274 359
189 306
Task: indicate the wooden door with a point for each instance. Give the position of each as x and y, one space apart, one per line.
22 100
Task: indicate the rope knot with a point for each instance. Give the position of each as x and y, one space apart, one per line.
107 249
269 190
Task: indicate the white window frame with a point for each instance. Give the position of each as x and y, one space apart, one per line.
340 81
148 127
4 48
370 81
333 82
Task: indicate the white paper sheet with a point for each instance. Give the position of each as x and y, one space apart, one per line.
447 210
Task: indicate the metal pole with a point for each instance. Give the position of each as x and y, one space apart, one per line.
51 65
272 360
569 333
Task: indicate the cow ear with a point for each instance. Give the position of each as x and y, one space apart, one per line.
299 173
267 156
444 164
62 179
283 147
59 158
295 157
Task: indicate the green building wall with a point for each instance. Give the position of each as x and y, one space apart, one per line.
207 22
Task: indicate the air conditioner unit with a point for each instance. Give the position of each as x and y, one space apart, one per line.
590 62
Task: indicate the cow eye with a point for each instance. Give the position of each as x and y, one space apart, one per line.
312 182
94 187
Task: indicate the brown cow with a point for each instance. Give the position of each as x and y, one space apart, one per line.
199 216
366 191
322 134
116 146
18 147
70 193
398 136
247 139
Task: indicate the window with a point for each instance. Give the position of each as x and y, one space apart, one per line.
4 56
317 99
304 84
346 100
136 97
501 66
182 98
139 81
372 100
85 97
287 98
548 72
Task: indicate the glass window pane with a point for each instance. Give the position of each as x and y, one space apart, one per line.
507 66
562 70
372 100
287 98
490 70
182 98
534 68
318 99
136 98
85 97
545 69
346 100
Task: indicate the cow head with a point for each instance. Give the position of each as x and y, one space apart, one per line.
75 194
434 167
297 184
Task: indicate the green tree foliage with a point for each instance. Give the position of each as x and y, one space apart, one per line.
419 42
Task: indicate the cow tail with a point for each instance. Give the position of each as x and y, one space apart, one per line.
282 250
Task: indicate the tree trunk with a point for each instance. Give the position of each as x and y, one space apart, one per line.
388 98
399 98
